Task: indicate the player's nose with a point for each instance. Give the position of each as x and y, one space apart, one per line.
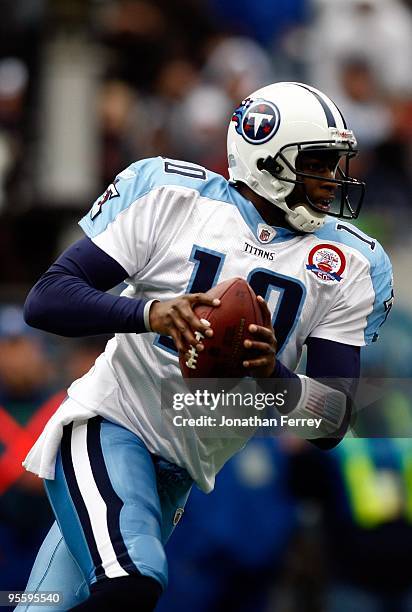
328 188
328 176
328 172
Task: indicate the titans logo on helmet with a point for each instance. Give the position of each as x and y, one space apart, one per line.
257 121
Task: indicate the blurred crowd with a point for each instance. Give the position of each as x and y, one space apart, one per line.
85 89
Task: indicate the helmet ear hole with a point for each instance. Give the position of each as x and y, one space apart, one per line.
270 165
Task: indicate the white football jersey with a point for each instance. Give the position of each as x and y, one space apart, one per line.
176 228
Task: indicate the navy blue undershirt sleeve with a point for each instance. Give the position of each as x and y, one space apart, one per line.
282 371
70 299
334 360
325 359
328 359
340 365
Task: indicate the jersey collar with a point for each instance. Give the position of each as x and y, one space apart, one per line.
255 221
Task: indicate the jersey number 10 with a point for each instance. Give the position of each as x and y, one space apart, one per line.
284 295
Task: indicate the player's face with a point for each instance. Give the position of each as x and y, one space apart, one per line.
319 191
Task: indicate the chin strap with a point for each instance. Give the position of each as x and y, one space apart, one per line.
301 217
304 219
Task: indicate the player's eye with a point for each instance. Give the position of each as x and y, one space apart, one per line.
320 167
315 167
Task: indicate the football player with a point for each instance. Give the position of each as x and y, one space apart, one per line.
117 480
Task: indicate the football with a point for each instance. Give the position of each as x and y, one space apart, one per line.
224 353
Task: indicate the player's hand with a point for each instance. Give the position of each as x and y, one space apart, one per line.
176 318
263 346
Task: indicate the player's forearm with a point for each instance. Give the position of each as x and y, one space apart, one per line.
66 305
325 393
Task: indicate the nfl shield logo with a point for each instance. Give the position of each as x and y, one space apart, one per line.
264 235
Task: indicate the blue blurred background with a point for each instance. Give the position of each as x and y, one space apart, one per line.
86 87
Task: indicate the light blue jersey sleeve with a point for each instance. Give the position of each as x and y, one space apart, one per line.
125 219
147 175
382 282
136 181
379 278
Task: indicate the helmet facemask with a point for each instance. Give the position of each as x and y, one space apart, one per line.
345 203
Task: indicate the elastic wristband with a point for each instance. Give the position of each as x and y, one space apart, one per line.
321 403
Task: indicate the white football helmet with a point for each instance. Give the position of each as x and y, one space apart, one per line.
265 135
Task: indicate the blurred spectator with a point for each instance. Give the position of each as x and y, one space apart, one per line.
25 372
29 394
389 185
374 118
13 85
20 39
197 127
79 356
238 65
359 97
265 21
136 125
27 400
185 111
380 31
364 489
143 36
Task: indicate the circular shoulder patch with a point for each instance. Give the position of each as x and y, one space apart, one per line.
327 262
259 121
